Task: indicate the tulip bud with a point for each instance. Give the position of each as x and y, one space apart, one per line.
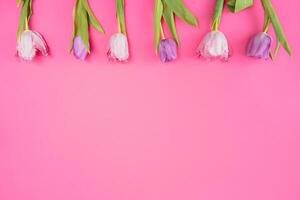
79 48
214 45
167 50
259 46
29 43
118 48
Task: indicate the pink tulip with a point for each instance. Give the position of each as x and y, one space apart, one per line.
214 45
29 43
118 48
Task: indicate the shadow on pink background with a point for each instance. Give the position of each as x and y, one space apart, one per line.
191 129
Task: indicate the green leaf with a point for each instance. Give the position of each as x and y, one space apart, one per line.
217 14
92 19
121 15
158 11
269 10
181 11
170 21
238 5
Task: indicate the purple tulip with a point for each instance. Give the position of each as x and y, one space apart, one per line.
79 48
167 50
259 46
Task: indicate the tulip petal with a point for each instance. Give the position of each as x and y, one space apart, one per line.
79 49
259 46
25 46
118 47
40 43
214 45
167 50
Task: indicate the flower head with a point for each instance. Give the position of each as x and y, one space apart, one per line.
79 48
214 45
259 46
118 47
167 50
29 43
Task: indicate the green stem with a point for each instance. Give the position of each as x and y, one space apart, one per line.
121 16
24 16
217 14
119 25
162 32
266 23
29 15
26 24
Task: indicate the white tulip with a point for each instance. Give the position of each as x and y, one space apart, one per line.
214 45
118 47
29 43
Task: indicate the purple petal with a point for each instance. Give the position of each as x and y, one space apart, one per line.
167 50
79 49
259 46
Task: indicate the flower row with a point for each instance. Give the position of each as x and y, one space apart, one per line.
214 45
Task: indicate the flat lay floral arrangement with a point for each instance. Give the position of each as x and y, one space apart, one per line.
214 44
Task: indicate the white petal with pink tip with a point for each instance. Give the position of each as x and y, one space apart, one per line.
29 43
214 45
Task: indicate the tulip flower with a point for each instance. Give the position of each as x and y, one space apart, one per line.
167 10
29 42
118 43
167 50
214 44
79 49
82 18
118 48
259 46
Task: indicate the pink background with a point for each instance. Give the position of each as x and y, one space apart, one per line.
191 129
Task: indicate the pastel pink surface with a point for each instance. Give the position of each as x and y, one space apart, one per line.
191 129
